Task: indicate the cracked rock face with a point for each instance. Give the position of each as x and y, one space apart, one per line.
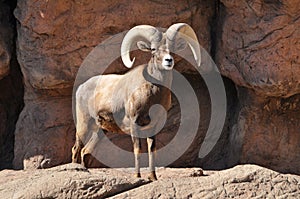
259 45
55 36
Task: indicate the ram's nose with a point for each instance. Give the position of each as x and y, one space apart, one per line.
168 62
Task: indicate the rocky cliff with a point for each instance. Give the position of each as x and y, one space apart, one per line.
258 48
255 45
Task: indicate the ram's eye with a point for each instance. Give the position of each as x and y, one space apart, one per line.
153 49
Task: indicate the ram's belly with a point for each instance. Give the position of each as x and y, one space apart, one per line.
112 123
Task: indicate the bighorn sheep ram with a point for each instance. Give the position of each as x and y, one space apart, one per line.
129 96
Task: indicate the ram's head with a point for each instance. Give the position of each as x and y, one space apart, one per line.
160 44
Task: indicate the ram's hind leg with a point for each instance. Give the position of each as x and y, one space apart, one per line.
76 150
82 130
89 148
81 134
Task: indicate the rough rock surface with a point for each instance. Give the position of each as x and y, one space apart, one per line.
259 45
74 181
244 181
53 39
67 181
50 133
258 48
43 47
267 132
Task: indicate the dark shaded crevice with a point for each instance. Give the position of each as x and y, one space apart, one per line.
11 98
11 3
219 157
214 29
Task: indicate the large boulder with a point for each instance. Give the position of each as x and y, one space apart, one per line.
258 48
54 37
66 181
258 45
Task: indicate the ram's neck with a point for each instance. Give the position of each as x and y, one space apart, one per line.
154 75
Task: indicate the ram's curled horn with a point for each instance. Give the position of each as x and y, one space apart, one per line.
137 33
187 33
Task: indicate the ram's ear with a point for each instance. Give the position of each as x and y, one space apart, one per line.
180 44
144 46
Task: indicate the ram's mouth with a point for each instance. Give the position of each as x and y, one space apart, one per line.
168 66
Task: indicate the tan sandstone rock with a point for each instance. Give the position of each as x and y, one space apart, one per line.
243 181
66 181
74 181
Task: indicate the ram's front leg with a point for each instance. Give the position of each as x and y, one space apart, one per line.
151 151
136 148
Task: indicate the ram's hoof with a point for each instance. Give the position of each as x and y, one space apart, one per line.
137 175
152 176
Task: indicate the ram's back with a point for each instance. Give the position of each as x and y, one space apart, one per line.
96 94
